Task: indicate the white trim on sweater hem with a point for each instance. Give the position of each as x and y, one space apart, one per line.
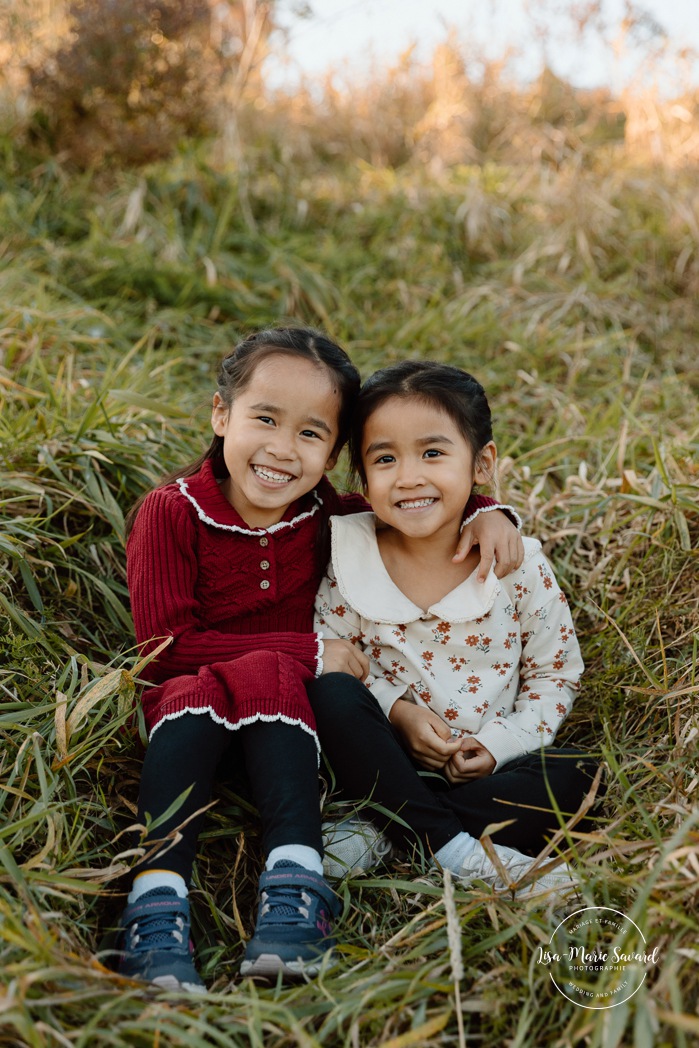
319 654
267 717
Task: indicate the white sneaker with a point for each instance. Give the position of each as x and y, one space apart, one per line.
477 866
353 845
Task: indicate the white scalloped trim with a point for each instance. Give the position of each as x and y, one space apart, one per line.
182 485
489 509
267 717
319 654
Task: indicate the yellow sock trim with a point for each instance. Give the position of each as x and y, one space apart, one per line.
143 873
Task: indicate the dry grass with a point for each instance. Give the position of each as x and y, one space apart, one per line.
463 109
569 286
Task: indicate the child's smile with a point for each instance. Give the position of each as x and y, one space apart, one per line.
419 468
279 437
413 504
270 476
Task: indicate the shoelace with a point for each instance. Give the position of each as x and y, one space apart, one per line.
381 846
157 931
284 906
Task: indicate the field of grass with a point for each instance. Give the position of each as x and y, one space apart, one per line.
570 287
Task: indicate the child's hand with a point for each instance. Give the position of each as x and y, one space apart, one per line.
341 656
498 539
426 736
473 761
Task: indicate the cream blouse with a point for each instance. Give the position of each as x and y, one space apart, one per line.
498 660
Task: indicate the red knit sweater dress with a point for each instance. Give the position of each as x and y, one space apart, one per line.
236 601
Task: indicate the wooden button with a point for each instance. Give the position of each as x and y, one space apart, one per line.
265 584
264 564
264 542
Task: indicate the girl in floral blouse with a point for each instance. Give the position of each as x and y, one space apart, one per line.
470 680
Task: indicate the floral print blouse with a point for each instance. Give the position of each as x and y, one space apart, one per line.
498 660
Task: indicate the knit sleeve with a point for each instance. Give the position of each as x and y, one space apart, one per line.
478 504
162 568
352 502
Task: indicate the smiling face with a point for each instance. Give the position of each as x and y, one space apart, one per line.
419 468
279 436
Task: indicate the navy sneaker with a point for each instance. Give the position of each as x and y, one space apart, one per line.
294 924
154 943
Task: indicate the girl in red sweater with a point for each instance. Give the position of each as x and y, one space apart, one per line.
223 563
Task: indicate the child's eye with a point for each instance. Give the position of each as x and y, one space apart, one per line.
432 453
309 433
384 459
266 419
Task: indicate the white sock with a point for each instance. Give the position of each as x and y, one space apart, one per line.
143 882
451 855
307 857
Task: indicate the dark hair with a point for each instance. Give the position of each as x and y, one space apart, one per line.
449 389
236 370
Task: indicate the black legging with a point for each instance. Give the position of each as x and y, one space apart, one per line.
369 763
279 760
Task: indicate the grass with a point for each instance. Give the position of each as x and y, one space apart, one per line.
570 289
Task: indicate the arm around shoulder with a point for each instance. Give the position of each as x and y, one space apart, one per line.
495 533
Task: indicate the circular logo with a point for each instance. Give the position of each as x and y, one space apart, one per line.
597 957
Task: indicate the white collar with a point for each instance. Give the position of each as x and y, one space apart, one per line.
367 587
227 510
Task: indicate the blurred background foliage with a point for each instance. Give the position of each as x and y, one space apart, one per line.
101 82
